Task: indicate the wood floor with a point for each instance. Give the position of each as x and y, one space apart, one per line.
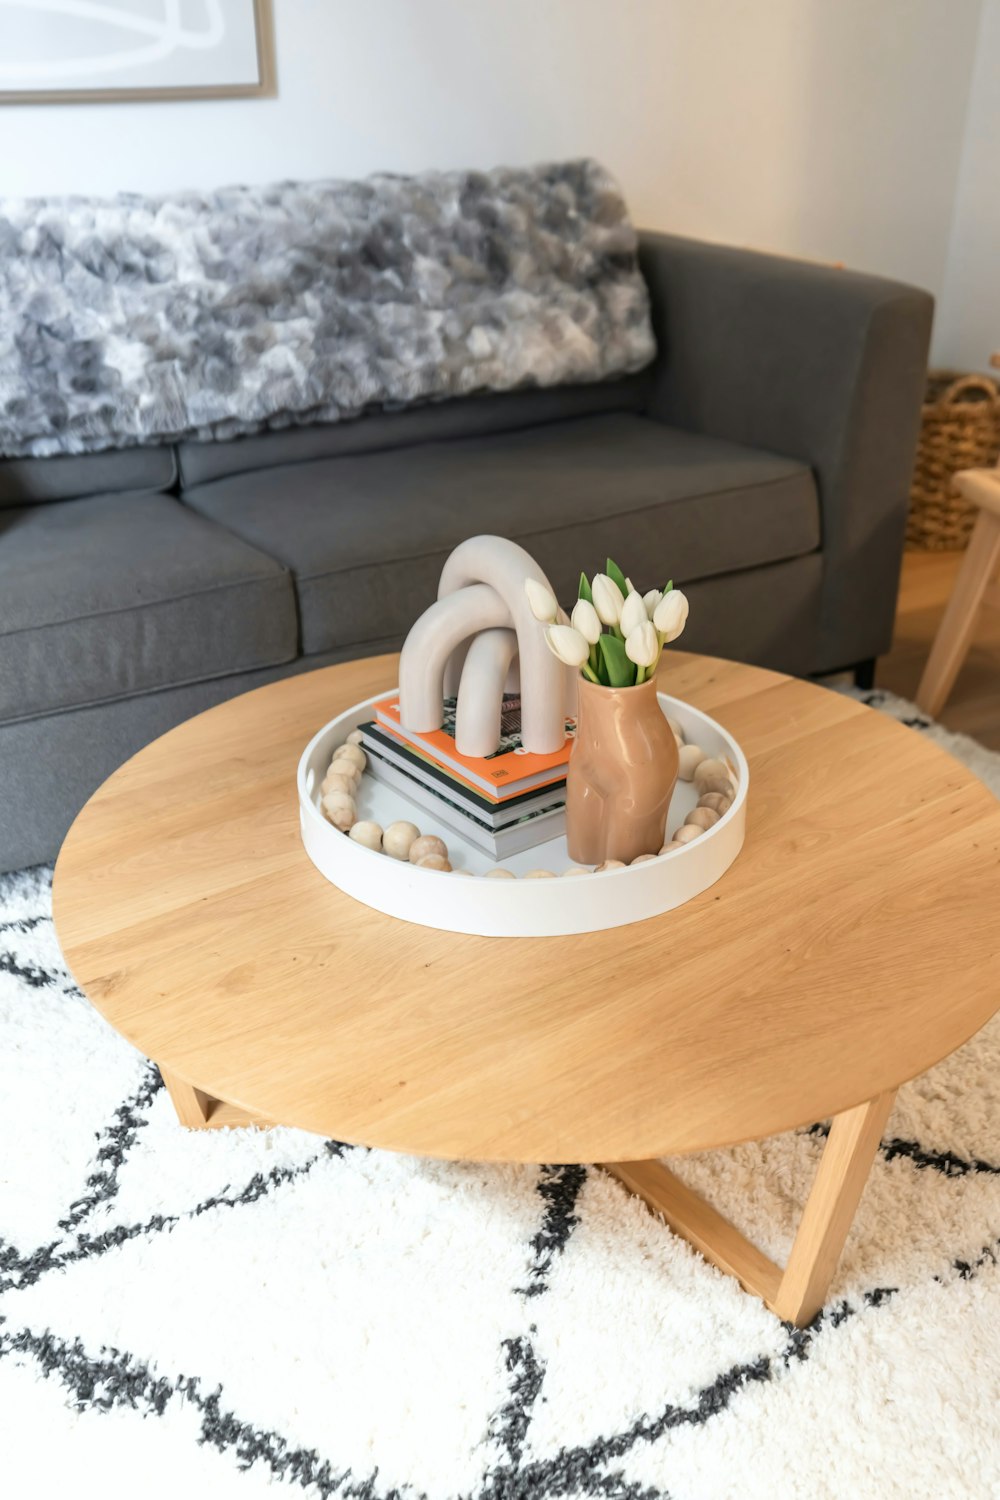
974 705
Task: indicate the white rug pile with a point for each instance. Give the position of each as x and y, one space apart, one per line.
235 1314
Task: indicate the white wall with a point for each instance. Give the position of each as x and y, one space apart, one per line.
969 312
827 128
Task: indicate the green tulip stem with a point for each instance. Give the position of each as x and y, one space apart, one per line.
590 675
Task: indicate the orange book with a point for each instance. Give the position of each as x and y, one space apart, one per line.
508 772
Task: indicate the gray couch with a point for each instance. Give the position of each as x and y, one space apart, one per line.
762 462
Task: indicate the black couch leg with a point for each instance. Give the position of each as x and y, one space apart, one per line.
864 674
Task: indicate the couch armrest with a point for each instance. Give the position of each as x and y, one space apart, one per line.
819 364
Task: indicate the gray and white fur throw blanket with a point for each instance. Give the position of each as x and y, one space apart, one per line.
138 319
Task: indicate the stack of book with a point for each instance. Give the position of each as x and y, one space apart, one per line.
503 803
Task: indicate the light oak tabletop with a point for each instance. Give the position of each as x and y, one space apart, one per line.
853 943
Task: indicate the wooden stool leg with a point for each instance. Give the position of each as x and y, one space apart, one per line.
954 635
797 1293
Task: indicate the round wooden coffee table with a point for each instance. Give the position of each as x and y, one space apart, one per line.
852 945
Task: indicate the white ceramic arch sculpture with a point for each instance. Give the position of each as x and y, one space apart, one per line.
478 632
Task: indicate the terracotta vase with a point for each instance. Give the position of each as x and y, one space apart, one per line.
621 774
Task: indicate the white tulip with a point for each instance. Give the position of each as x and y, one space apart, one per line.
642 645
568 644
608 599
587 621
633 614
543 605
651 600
671 614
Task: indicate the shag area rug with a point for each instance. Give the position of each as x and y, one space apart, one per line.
235 1313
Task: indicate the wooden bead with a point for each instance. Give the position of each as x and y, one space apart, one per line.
342 815
341 767
669 848
641 859
334 782
369 834
576 870
716 801
354 753
500 875
427 843
710 766
689 759
355 737
688 832
720 784
701 817
433 862
610 864
398 839
335 794
539 875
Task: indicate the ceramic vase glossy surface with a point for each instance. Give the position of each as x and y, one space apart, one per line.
621 774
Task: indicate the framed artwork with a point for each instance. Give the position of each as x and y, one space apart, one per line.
74 51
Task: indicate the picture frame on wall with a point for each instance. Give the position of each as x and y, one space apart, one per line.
79 51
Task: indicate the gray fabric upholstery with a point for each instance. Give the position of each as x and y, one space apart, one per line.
33 481
435 422
819 363
52 765
123 594
366 537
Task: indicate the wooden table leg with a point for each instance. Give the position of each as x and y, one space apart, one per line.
200 1111
796 1293
830 1208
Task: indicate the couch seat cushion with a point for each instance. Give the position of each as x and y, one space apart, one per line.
366 536
120 594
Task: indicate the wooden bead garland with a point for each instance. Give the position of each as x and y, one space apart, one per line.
714 779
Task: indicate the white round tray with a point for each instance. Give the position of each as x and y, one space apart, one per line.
515 908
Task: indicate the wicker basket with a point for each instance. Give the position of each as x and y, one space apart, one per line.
960 429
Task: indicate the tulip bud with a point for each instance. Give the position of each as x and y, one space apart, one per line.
633 614
671 614
651 600
642 645
568 644
608 599
543 605
587 621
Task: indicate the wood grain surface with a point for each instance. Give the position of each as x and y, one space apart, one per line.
853 943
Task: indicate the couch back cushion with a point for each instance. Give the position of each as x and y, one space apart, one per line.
437 421
33 481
